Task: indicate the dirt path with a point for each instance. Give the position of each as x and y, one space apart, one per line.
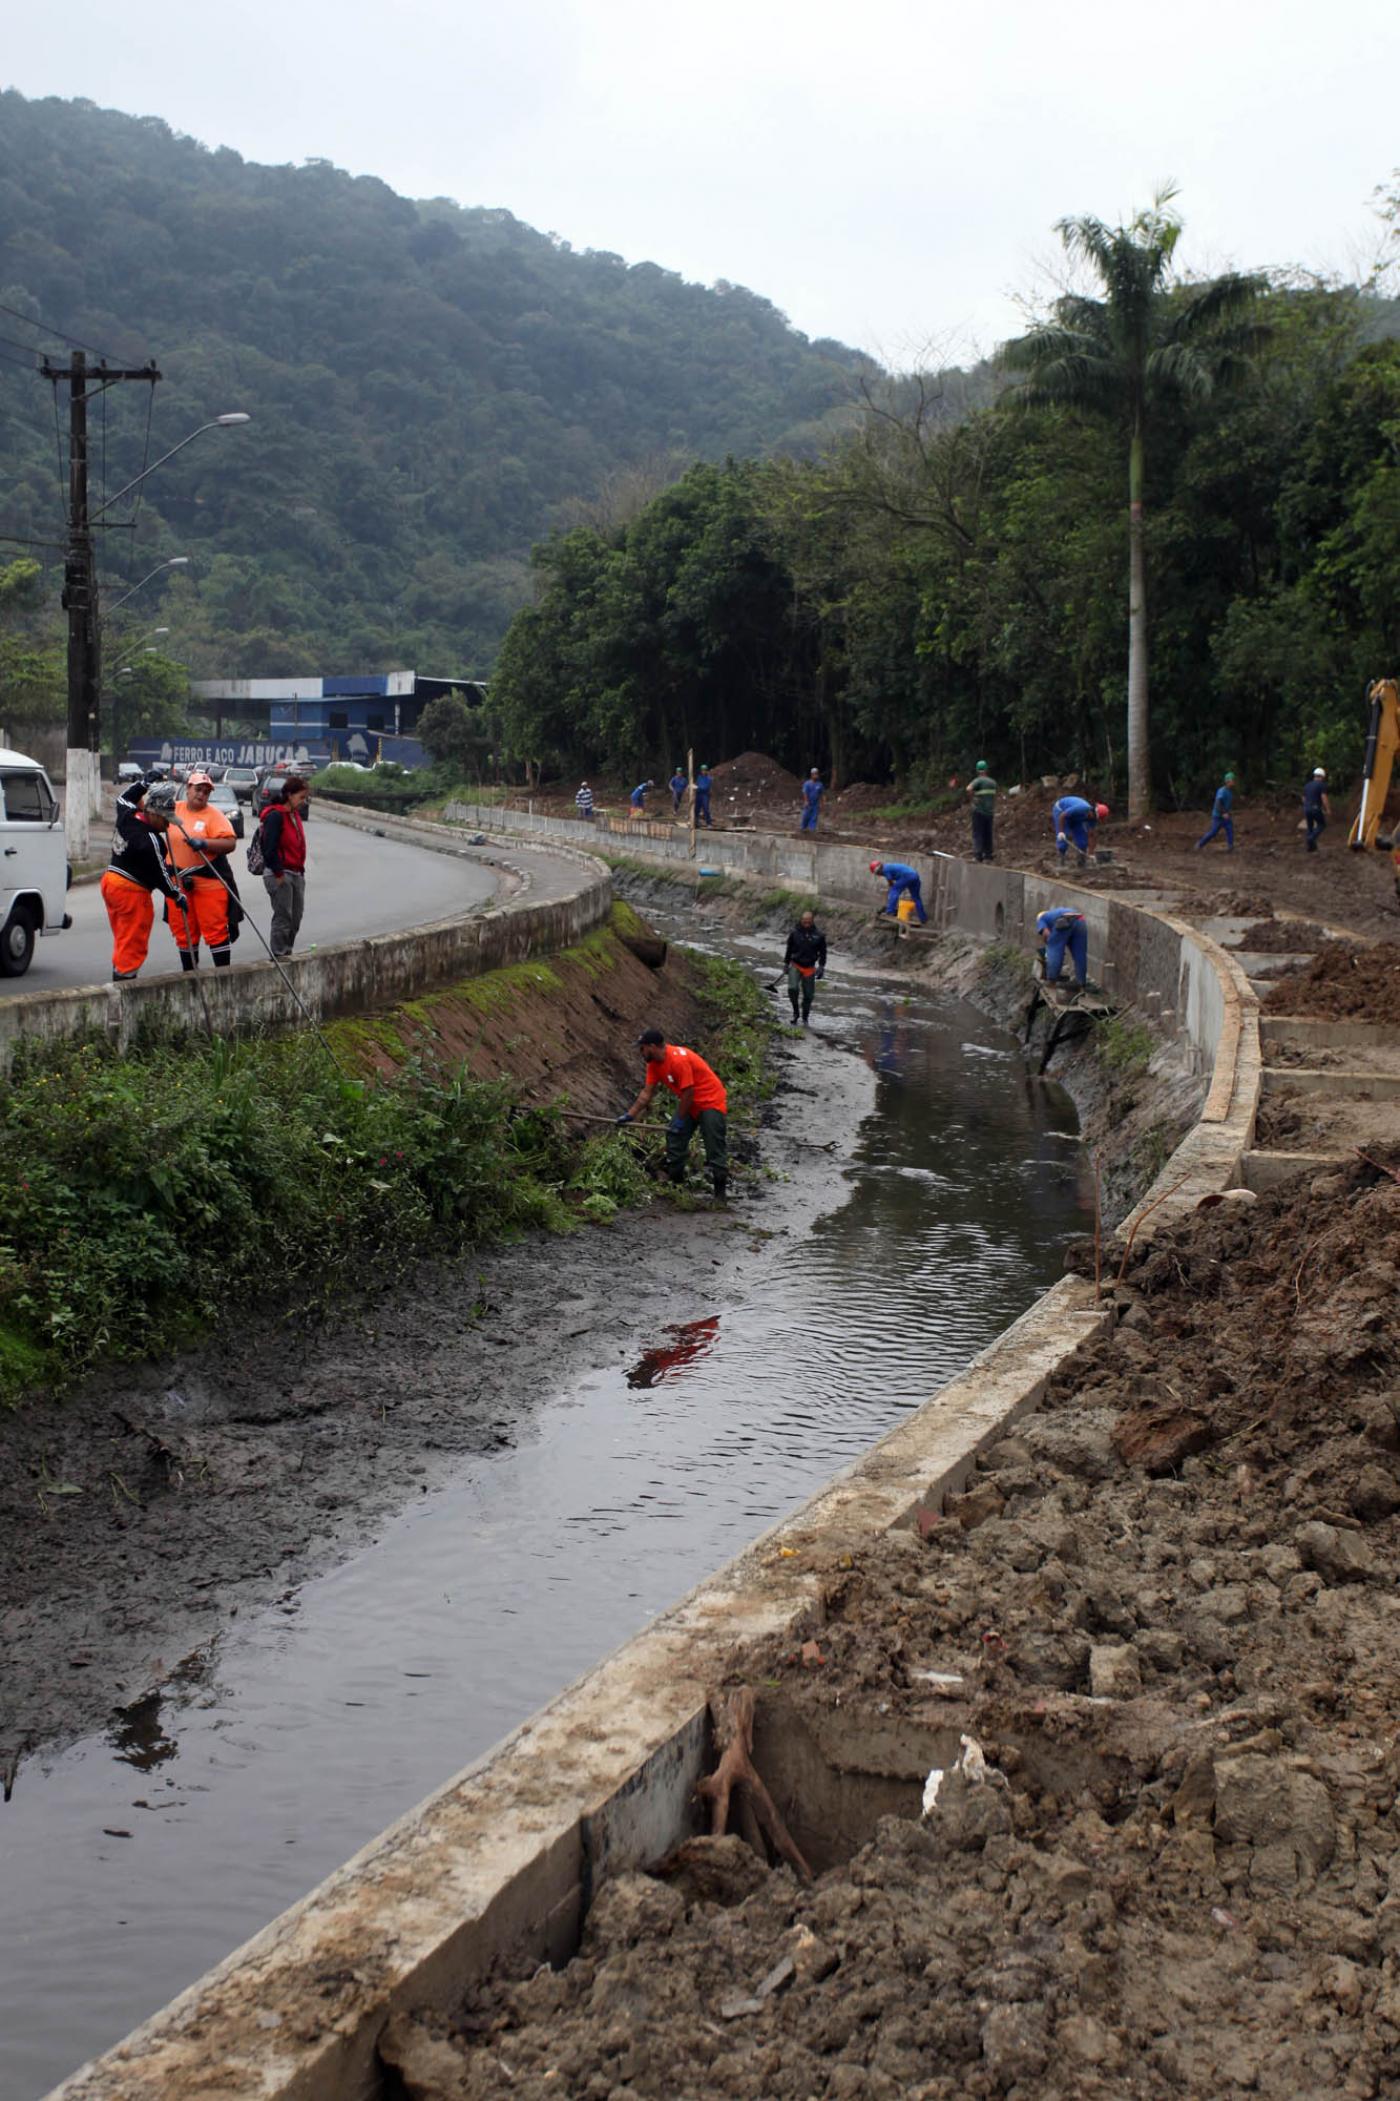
1164 1616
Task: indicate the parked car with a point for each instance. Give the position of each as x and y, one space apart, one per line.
223 798
269 786
34 871
242 780
129 771
216 770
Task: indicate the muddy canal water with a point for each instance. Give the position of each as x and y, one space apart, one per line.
134 1859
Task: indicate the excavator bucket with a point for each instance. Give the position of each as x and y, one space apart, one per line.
1382 743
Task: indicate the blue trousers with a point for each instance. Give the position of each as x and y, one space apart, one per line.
1219 824
914 885
1076 939
702 807
809 817
1317 825
1076 830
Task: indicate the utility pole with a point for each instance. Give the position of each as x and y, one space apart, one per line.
82 758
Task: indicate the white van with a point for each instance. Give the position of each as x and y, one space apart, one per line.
34 872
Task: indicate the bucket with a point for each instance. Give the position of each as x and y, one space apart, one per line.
904 911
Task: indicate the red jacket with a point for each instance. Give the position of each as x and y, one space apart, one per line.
283 840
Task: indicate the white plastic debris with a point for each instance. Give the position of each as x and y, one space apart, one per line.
972 1762
937 1677
931 1787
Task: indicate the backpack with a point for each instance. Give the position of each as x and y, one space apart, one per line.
256 863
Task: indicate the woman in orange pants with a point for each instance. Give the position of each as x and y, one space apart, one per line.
200 845
138 868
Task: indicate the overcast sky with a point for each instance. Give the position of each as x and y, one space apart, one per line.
886 172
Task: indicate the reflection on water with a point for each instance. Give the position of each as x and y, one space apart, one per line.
492 1594
137 1737
689 1342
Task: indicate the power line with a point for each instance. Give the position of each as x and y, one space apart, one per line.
30 349
22 362
47 328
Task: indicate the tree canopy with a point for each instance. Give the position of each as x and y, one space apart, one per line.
949 584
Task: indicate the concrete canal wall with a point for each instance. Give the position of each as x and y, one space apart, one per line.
499 1866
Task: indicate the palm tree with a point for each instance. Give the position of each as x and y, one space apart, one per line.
1119 358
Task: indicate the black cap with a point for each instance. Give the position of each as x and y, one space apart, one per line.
651 1036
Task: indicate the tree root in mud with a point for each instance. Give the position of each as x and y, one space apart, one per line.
755 1811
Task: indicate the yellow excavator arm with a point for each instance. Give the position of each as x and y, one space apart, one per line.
1382 743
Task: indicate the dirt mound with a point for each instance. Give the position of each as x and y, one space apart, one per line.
863 795
752 782
1152 1656
1344 982
1281 937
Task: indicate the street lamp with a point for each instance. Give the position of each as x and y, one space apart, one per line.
176 561
214 423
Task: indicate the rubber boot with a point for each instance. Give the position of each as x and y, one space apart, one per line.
794 1013
721 1183
188 959
222 960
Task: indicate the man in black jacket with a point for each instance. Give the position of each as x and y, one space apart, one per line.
804 961
138 869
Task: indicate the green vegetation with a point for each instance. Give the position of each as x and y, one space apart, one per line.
951 583
741 1022
142 1196
432 388
1124 1045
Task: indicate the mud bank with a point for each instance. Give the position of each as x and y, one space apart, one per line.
1163 1616
1134 1092
142 1514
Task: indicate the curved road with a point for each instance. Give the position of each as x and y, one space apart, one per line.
356 884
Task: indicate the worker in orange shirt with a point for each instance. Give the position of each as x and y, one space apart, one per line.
137 870
201 839
701 1102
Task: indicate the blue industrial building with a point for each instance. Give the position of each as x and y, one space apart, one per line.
362 715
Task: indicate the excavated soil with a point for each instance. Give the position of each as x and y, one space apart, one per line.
1343 983
1287 937
1164 1615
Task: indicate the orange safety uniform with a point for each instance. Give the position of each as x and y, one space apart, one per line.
131 910
682 1068
205 892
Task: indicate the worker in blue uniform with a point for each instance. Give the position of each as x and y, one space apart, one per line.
638 797
900 878
1220 818
1060 929
677 785
813 789
1074 819
703 785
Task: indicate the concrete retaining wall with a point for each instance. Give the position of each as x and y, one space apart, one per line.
348 977
499 1865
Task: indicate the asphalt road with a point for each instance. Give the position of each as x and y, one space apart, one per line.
356 884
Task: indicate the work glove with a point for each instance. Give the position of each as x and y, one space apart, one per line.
820 975
679 1122
1062 838
626 1117
183 903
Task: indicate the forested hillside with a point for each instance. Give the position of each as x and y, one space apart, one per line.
946 587
432 388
